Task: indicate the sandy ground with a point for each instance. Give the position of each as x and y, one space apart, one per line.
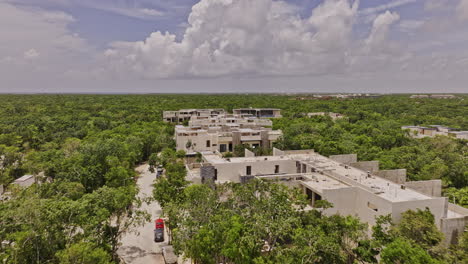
138 247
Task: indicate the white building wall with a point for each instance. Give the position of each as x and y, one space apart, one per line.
230 172
438 207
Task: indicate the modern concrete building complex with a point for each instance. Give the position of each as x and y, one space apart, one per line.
229 120
354 188
433 96
334 116
214 130
435 130
224 138
258 112
185 114
25 181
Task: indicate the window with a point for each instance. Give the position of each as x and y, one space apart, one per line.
208 143
222 148
372 206
304 168
248 170
276 169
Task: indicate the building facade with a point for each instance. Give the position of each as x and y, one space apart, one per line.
258 112
223 139
435 130
354 188
184 115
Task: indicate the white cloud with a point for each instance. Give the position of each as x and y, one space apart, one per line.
244 38
380 29
410 25
31 54
384 7
36 45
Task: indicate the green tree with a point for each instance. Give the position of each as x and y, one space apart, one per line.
83 253
403 251
419 226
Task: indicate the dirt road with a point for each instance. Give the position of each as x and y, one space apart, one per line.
139 247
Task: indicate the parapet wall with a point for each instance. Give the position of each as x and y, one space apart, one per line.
248 153
277 152
396 176
432 188
372 166
346 158
454 227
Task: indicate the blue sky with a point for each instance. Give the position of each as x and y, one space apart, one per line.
258 45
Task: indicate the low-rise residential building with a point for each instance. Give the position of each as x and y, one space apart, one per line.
214 130
230 120
435 130
223 138
258 112
25 181
334 116
433 96
354 188
185 114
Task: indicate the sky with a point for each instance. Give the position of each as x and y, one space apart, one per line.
233 46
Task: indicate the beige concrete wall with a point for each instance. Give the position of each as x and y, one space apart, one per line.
232 171
438 207
453 228
346 159
396 176
248 153
277 152
372 166
355 201
366 199
431 188
198 142
343 200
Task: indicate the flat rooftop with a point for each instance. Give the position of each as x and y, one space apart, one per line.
333 175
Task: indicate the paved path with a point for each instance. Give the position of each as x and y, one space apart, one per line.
139 247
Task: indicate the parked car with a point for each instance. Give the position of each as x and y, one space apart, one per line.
158 235
159 230
159 171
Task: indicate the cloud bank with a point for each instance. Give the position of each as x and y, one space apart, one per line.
256 42
254 38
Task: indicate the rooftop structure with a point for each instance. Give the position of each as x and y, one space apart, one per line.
435 130
230 120
214 130
334 116
354 188
25 181
223 138
258 112
433 96
185 114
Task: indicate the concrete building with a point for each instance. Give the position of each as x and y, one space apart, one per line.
433 96
223 138
334 116
185 114
354 188
435 130
258 112
229 120
25 181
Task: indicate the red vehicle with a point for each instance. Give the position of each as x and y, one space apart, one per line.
159 223
159 230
